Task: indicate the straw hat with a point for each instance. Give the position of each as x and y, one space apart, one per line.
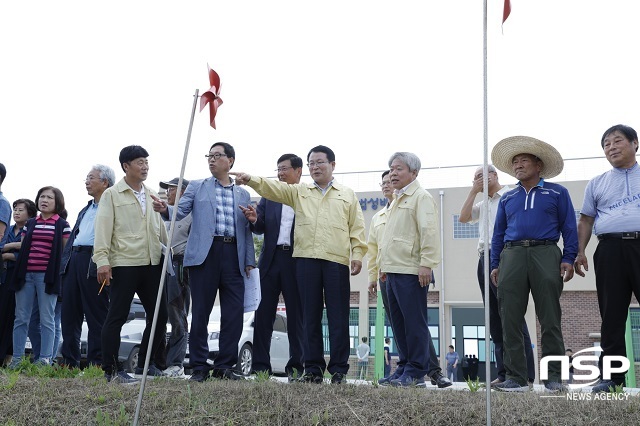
504 151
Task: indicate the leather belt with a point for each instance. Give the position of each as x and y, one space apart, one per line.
635 235
529 243
82 248
224 239
283 247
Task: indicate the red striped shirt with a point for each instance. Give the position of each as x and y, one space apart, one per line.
42 242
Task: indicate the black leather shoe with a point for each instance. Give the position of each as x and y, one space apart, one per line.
338 378
226 374
439 380
199 376
310 378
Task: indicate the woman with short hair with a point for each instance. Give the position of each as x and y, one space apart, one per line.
37 272
23 210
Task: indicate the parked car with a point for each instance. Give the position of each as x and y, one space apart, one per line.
130 344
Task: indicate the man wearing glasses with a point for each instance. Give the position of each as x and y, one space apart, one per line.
81 293
219 250
329 243
474 213
277 273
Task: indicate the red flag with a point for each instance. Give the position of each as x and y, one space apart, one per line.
506 11
211 96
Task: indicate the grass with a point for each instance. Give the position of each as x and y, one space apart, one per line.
27 398
474 385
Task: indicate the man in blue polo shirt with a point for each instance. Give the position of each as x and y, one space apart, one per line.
612 204
525 256
81 295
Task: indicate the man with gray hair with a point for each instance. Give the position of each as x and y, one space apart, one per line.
474 213
410 249
81 295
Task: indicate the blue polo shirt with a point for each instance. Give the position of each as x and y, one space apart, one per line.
86 229
5 211
544 213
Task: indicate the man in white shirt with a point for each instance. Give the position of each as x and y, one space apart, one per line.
474 213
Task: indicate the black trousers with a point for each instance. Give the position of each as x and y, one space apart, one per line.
126 281
322 282
495 328
219 272
617 267
280 277
433 367
80 299
7 316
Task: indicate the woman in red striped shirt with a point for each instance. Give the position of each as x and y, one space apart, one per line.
37 274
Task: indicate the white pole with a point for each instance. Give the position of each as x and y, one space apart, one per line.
443 316
485 197
167 258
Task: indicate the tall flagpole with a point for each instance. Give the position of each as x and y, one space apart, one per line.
485 197
167 257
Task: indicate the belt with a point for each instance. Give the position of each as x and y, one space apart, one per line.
224 239
635 235
283 247
82 248
529 243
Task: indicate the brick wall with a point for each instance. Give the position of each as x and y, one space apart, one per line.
580 316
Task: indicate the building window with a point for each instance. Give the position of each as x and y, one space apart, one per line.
463 231
474 341
387 332
634 316
432 320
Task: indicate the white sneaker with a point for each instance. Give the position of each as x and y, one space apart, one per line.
174 371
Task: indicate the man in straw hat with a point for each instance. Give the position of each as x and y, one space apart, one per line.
525 256
612 204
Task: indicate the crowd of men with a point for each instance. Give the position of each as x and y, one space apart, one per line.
314 240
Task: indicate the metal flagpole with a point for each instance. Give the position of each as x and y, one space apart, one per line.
485 197
167 258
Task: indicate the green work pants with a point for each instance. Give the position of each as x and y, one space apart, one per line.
536 270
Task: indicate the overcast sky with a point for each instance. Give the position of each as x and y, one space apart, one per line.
80 80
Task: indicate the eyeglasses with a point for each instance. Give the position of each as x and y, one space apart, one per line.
385 183
215 156
313 164
89 178
283 169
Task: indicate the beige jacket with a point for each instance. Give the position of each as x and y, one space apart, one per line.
124 237
329 227
411 235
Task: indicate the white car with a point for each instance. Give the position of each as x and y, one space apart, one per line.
132 335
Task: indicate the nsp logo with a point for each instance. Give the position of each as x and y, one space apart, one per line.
580 362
